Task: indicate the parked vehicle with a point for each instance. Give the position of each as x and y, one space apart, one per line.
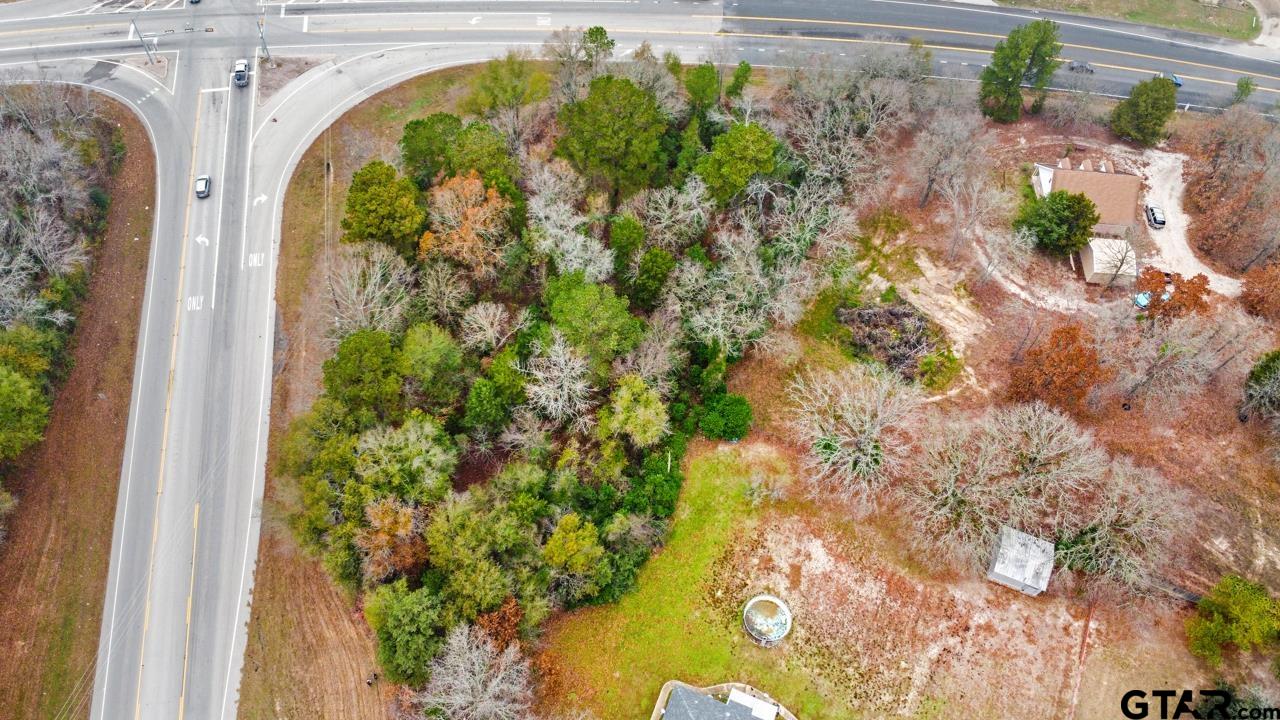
1077 66
203 186
240 73
1155 217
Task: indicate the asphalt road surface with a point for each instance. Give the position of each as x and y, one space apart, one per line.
187 515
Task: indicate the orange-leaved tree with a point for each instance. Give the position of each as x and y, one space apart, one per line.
1059 371
469 223
1261 293
1172 297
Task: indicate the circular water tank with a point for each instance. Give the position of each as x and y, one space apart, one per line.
766 619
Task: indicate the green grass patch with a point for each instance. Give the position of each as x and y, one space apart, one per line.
939 369
621 654
1239 23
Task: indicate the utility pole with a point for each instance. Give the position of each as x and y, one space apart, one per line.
147 47
262 37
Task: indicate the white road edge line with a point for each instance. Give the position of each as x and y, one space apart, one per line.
141 375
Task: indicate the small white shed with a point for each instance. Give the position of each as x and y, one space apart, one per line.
1021 561
1109 261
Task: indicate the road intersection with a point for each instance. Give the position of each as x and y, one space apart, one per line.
189 504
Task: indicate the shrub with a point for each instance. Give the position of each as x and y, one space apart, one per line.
939 368
23 413
728 417
1141 117
1235 612
1061 222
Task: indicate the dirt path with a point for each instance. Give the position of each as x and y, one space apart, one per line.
1162 172
53 567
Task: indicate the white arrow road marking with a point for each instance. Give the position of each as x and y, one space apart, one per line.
202 240
474 20
259 200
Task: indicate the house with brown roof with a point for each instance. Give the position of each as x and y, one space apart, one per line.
1116 195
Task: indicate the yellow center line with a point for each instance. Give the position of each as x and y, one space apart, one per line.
191 592
918 28
168 401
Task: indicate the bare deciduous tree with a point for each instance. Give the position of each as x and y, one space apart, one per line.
1072 109
527 432
470 224
856 424
1132 526
473 680
487 326
558 381
674 217
1168 361
442 291
48 239
973 199
1005 249
555 234
649 73
658 354
368 288
1033 469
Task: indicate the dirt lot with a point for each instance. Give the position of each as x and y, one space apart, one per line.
53 567
310 650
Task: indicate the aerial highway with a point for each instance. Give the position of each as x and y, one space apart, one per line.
188 510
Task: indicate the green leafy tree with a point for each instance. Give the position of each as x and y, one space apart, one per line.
480 547
504 86
691 151
29 350
597 45
384 207
424 146
413 462
593 319
1028 55
433 360
485 407
1244 88
364 376
481 148
23 413
703 85
408 627
728 417
1061 222
574 551
738 83
626 236
1141 117
736 156
1235 612
636 411
613 136
1262 386
651 276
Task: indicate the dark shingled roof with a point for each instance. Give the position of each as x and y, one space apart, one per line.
686 704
